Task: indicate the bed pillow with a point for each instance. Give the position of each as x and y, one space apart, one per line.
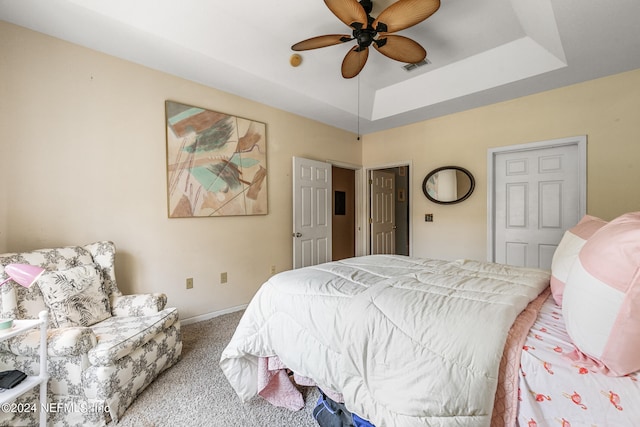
601 303
75 297
567 252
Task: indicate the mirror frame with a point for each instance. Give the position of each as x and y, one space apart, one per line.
458 200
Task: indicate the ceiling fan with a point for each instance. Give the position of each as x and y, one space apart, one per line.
368 31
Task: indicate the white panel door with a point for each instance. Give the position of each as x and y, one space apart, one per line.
537 197
311 212
383 221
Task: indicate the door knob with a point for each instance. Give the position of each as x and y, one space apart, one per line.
296 234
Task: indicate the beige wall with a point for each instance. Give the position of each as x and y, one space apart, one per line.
606 110
83 159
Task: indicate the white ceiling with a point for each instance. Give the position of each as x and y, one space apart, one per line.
481 51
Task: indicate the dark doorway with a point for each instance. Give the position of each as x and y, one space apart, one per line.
344 213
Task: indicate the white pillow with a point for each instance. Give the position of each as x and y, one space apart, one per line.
601 304
75 297
567 251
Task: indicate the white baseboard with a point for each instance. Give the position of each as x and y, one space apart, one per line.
211 315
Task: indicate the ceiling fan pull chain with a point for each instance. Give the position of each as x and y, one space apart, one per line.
358 108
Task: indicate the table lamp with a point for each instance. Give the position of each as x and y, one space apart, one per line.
23 274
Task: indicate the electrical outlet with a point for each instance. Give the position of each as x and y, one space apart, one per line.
273 269
189 282
223 277
428 217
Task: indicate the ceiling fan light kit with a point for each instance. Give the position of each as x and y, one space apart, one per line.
295 60
368 31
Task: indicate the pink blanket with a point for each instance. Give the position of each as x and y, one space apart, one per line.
505 406
276 386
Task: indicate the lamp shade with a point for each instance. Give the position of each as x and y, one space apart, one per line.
23 274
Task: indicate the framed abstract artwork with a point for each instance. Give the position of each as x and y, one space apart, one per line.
216 163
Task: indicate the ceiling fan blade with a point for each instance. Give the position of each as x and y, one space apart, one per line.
400 48
354 62
349 12
404 14
321 41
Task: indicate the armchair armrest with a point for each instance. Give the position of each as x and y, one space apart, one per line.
73 341
138 304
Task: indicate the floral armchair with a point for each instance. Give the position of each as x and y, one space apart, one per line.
104 347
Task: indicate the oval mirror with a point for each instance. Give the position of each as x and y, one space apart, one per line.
448 185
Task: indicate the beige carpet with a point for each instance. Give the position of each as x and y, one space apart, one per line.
194 392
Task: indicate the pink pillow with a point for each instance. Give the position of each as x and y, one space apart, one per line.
601 303
567 252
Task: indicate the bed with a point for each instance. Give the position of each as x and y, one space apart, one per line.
420 342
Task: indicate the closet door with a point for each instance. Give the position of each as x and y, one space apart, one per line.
537 195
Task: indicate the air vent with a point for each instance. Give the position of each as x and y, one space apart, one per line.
411 67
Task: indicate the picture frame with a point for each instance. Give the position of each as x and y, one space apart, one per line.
216 163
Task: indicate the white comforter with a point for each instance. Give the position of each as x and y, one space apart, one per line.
407 341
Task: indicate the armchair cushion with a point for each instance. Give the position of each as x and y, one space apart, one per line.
25 303
76 296
118 335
